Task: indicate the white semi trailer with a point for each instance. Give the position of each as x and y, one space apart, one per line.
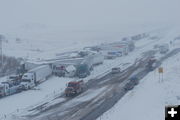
98 58
35 76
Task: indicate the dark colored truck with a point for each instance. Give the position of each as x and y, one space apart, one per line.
151 64
74 88
83 70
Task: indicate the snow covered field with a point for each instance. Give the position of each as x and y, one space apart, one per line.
44 47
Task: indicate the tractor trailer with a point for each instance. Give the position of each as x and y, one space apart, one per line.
74 88
35 76
8 88
85 67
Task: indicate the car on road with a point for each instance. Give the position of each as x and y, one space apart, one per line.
116 70
129 86
135 80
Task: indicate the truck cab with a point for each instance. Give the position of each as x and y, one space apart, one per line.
28 81
59 70
4 89
15 79
83 71
74 88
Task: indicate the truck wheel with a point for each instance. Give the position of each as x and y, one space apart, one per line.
82 89
3 95
6 94
76 93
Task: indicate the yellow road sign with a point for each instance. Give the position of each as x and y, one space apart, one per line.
160 70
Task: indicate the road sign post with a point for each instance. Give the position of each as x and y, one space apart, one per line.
161 71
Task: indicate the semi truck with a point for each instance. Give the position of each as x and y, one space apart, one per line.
85 67
35 76
74 88
11 86
59 70
127 45
83 70
8 88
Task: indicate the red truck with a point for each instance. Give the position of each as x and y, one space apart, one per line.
74 88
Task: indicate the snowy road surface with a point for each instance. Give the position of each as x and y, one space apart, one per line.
77 108
148 99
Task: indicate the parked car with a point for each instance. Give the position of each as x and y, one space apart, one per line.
116 70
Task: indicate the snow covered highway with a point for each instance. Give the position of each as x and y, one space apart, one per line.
103 91
89 59
100 96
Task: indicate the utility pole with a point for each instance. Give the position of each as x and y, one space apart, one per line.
1 49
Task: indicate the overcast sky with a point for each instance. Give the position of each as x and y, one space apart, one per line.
87 13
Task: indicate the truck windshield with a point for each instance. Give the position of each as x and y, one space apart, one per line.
115 68
71 85
12 77
82 68
26 80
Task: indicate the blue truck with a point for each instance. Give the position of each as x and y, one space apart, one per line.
9 88
86 66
